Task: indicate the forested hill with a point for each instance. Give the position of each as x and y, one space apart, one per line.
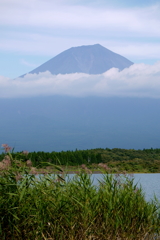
146 160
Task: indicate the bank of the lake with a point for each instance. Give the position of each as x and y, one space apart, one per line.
117 160
51 207
85 206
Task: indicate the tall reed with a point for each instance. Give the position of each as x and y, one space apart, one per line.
53 207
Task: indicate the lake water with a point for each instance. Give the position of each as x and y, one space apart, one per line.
150 184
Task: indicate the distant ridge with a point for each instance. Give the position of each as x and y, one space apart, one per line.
91 59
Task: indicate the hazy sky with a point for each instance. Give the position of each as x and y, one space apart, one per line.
33 31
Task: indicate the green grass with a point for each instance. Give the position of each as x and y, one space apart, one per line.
59 209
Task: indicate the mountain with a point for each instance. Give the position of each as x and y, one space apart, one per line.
56 123
92 59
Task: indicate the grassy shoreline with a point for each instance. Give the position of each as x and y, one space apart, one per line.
51 208
117 160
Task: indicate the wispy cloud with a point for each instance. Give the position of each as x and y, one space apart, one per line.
49 14
139 80
38 25
39 44
28 64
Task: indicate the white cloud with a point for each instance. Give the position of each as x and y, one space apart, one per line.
40 27
139 80
50 14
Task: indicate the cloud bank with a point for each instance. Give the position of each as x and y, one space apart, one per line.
139 80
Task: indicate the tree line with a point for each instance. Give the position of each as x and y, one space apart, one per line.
146 160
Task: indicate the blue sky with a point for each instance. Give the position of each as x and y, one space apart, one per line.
33 31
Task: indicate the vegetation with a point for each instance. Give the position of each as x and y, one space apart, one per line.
56 207
118 160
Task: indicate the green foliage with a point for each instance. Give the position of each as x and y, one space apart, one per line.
146 160
54 207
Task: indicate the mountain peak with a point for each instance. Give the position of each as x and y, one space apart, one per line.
90 59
